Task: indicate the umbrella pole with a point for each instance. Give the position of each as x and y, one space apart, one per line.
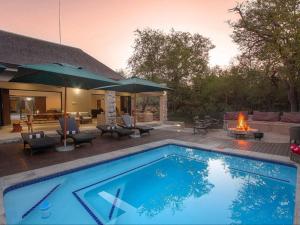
65 119
134 110
65 148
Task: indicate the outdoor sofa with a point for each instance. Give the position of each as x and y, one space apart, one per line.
85 117
120 132
74 133
37 141
273 122
128 124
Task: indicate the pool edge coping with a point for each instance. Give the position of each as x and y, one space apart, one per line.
10 180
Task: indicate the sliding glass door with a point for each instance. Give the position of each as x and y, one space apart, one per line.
20 107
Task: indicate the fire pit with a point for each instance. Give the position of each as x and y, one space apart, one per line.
242 129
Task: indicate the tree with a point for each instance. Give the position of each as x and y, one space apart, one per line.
173 58
268 32
123 73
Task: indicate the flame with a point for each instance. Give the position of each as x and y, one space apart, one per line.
242 124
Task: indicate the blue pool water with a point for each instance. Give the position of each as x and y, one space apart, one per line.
167 185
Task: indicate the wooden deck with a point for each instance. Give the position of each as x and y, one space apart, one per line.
13 159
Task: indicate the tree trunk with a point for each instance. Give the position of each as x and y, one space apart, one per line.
293 97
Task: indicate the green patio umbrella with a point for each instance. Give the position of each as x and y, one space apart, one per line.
2 68
63 75
135 85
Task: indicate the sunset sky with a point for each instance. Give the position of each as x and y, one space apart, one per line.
105 28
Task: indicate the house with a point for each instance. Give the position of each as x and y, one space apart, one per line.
19 99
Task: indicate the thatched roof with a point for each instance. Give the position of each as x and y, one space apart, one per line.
17 49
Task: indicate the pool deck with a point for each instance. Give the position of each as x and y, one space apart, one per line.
13 159
21 167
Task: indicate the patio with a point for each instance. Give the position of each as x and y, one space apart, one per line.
14 160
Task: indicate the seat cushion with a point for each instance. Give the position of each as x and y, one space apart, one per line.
290 117
266 116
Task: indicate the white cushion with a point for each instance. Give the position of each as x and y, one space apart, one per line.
73 131
38 136
30 136
68 132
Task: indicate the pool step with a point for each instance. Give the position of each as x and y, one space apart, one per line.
116 204
40 201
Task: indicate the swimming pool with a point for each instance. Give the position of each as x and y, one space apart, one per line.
170 184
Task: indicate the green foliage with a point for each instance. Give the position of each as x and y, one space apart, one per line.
237 89
268 33
180 60
173 58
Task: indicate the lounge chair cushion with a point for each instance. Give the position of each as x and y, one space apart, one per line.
35 135
123 131
82 137
102 127
144 128
44 142
114 129
72 132
290 117
71 124
128 124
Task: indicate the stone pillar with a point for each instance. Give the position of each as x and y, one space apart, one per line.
132 104
110 107
163 107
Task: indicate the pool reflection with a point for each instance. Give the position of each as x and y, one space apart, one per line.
194 189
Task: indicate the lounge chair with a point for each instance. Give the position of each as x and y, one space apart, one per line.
120 132
37 141
74 133
129 125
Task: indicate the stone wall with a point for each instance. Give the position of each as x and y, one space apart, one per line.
163 105
110 107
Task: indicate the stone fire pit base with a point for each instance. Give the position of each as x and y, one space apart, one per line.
238 133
